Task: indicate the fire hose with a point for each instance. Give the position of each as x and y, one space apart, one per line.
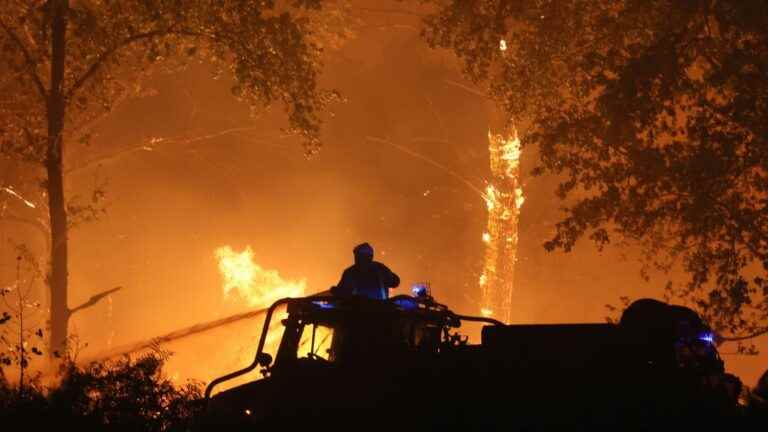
172 336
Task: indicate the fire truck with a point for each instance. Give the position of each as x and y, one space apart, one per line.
402 364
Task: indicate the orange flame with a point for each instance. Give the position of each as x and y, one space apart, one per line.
503 198
244 278
245 282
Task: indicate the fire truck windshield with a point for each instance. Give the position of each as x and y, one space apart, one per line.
315 342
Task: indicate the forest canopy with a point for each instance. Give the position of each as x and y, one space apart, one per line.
652 112
67 64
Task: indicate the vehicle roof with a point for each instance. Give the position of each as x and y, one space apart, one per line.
334 308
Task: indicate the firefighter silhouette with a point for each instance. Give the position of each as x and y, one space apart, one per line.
366 278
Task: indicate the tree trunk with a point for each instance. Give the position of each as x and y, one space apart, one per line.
57 280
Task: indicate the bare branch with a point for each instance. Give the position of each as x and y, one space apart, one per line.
90 123
390 26
391 11
39 226
428 160
95 299
467 88
153 144
752 335
105 57
30 64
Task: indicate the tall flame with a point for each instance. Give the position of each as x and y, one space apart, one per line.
259 287
244 281
503 198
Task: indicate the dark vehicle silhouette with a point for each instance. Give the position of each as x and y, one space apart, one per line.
400 364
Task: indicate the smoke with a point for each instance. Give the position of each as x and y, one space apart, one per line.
252 189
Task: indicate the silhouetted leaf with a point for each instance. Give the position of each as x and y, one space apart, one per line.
653 120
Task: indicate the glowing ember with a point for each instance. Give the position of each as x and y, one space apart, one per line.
503 200
257 286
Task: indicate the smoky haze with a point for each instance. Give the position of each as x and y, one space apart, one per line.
397 157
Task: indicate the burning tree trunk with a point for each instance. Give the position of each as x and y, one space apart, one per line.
57 279
503 196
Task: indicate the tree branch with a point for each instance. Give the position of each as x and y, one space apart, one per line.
104 57
752 335
467 88
33 223
37 225
30 64
95 299
391 11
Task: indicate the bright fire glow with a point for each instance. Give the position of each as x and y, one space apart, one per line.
503 198
257 286
245 282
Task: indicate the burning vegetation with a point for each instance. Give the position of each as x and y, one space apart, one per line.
644 123
245 280
504 198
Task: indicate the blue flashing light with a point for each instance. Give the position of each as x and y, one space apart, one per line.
407 304
323 304
419 290
707 337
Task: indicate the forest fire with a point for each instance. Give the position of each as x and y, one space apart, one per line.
171 171
244 281
503 198
246 284
258 287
